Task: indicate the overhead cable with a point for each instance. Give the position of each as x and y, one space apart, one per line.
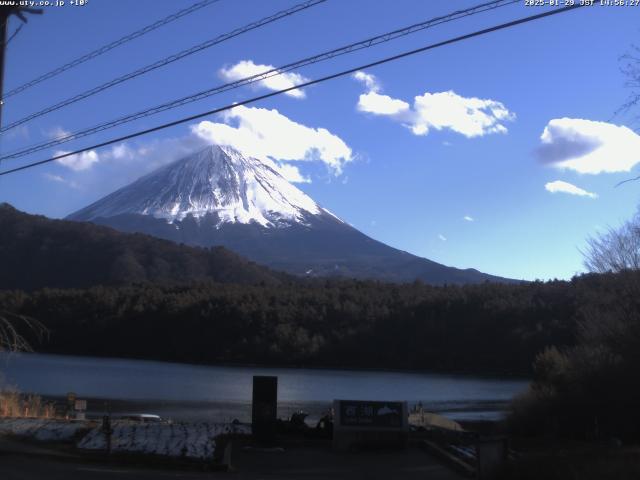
165 61
110 46
353 47
531 18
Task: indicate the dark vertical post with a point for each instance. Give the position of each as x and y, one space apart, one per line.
5 13
264 408
4 20
492 454
107 430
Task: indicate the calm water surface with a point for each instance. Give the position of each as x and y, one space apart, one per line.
187 392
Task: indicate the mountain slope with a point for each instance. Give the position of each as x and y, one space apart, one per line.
37 252
219 197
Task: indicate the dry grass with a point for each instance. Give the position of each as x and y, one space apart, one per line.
15 404
12 402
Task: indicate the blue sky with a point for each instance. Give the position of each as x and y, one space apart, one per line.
514 130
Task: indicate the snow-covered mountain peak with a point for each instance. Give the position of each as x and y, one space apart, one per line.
217 180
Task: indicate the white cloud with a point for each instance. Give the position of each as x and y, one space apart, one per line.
54 178
442 237
374 102
21 131
261 133
59 179
80 161
588 146
378 104
122 151
468 116
246 68
370 81
468 218
86 160
57 132
565 187
292 173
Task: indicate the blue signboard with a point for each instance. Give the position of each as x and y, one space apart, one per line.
359 413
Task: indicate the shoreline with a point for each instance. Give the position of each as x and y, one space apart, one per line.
222 393
226 411
456 373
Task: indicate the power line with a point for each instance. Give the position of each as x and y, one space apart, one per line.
369 42
166 61
105 48
302 85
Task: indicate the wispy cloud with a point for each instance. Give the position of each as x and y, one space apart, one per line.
588 146
122 151
21 131
442 237
468 116
565 187
60 179
468 218
369 80
57 132
292 173
246 68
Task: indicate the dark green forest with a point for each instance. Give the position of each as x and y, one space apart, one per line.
490 328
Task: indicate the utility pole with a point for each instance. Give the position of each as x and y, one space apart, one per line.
4 20
5 13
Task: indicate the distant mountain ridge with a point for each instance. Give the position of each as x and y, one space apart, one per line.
217 196
37 252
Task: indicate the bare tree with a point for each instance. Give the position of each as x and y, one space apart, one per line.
11 326
616 250
631 69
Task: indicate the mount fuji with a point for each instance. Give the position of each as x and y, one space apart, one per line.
218 196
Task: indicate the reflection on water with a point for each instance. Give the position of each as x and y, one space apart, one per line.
185 391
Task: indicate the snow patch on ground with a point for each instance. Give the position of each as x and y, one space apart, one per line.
46 430
186 440
189 440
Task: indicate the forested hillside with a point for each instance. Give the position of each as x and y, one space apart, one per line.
481 328
37 252
148 298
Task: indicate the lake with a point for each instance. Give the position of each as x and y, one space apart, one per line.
221 393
